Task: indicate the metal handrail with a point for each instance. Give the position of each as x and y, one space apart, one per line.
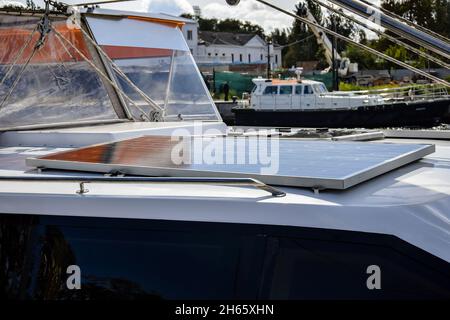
428 91
63 125
82 181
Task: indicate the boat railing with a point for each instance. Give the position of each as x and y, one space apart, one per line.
118 178
407 93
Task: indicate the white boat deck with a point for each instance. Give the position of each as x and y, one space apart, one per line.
412 203
427 179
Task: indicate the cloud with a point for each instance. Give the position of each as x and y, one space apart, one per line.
249 10
11 3
175 7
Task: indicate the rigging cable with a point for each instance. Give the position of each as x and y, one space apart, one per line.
44 27
297 42
103 75
361 46
386 35
408 22
116 68
18 56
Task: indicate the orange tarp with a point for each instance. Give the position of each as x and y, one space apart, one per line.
166 22
117 52
13 40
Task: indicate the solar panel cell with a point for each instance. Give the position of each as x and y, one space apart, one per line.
288 162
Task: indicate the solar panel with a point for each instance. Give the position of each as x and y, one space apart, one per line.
284 162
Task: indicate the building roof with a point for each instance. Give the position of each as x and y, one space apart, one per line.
225 38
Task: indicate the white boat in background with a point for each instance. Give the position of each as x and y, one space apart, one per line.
309 104
89 188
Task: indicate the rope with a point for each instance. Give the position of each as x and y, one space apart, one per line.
22 71
297 42
22 50
44 27
361 46
100 72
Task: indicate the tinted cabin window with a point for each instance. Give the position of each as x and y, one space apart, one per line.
147 264
318 269
138 259
299 90
271 90
286 90
309 90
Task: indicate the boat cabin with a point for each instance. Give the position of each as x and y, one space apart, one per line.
76 75
304 95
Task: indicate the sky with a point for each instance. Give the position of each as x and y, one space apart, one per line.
247 10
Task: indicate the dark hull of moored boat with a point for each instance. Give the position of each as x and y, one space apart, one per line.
408 114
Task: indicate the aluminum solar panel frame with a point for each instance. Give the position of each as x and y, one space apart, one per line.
295 163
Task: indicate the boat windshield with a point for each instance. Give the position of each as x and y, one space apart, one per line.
155 57
320 88
56 86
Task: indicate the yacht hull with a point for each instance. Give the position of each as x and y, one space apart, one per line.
409 114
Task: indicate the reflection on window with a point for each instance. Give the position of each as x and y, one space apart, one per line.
318 269
271 90
57 86
286 90
299 90
172 80
151 75
188 97
309 90
140 264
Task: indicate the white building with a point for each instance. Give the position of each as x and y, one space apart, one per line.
234 48
190 32
228 48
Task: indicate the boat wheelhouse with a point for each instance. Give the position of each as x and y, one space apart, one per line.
305 95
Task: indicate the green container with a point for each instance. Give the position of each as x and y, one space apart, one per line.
238 82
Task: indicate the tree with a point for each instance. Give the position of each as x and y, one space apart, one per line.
442 18
343 26
279 36
365 60
431 14
309 49
227 25
31 5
